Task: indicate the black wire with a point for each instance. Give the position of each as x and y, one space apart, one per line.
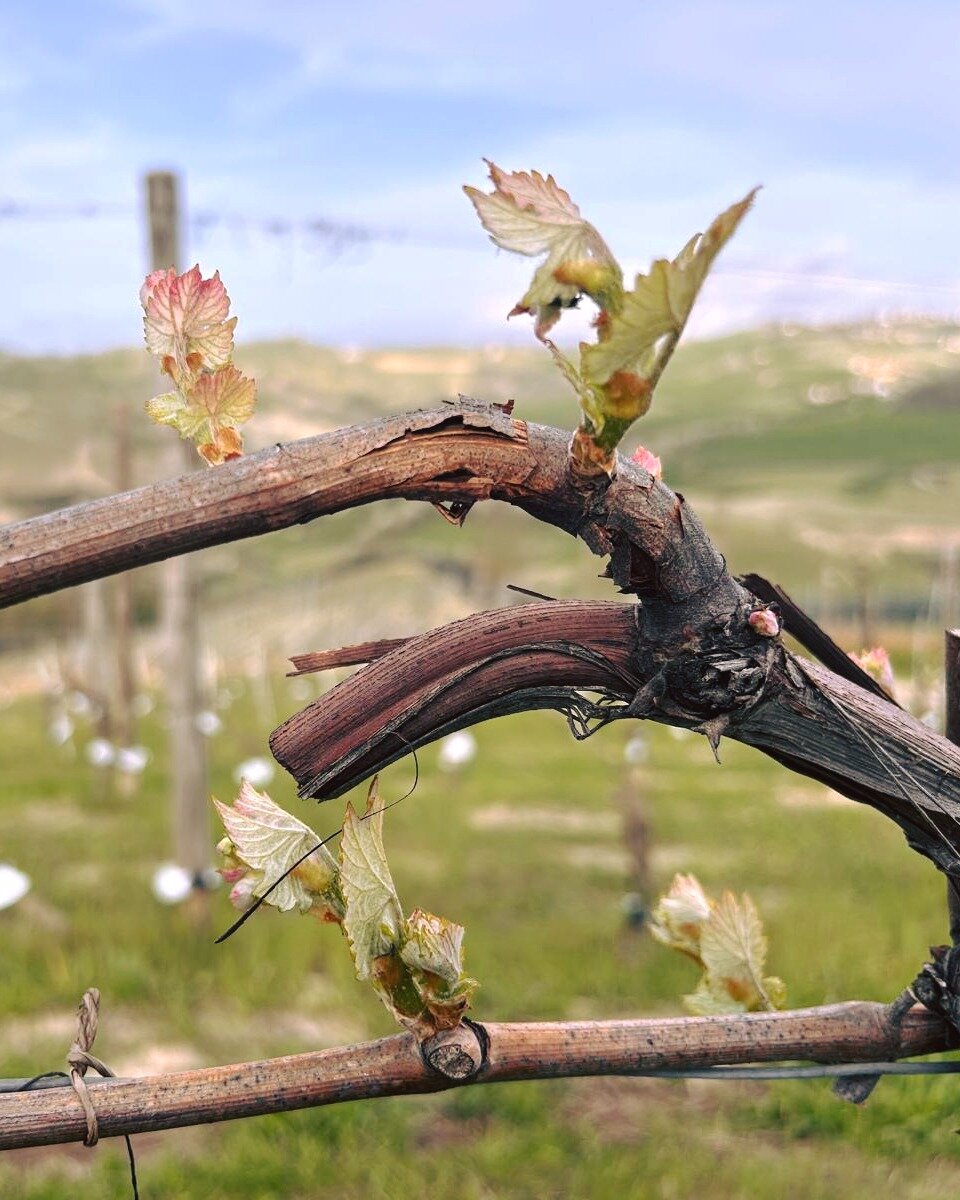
53 1079
772 1072
515 587
812 1071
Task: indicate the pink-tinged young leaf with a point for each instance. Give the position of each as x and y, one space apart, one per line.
151 282
648 460
185 321
876 663
765 622
209 412
263 842
244 891
532 215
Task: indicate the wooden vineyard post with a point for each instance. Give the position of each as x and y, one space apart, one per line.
188 764
124 725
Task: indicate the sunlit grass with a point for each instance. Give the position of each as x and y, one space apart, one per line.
848 908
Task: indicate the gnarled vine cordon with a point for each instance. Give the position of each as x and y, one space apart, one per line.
690 652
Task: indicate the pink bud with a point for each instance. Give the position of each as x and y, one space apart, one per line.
648 460
241 894
764 621
232 874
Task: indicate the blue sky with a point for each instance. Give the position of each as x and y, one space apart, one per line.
653 115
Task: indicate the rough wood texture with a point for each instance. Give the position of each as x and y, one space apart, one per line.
345 656
700 662
951 705
394 1066
811 636
442 680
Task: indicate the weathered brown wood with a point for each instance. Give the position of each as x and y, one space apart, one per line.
951 687
811 636
455 452
704 666
428 682
951 677
345 656
395 1066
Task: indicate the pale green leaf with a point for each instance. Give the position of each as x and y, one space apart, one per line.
264 842
680 915
708 1001
169 409
726 939
373 917
734 949
208 411
435 945
659 303
432 948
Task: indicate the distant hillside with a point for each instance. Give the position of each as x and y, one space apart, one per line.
819 456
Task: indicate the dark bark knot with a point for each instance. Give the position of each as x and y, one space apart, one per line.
937 987
718 673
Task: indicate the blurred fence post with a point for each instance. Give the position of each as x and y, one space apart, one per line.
188 763
124 723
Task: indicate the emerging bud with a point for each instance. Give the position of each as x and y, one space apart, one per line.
765 622
645 458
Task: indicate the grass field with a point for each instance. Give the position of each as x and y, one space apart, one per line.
849 912
824 458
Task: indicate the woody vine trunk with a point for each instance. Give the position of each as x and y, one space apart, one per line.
683 652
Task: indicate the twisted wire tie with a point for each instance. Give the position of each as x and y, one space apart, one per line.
79 1059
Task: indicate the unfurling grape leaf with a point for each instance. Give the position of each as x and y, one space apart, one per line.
263 842
433 951
660 303
531 215
415 965
679 914
209 412
373 918
726 938
185 325
637 331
